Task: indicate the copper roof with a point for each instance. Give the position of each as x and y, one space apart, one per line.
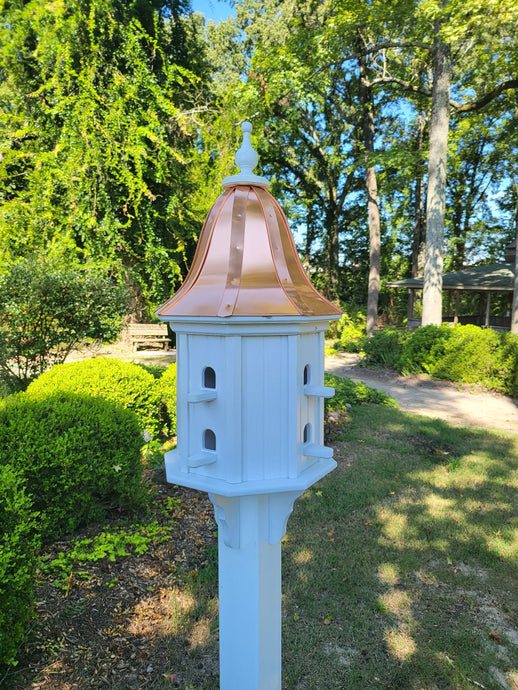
246 264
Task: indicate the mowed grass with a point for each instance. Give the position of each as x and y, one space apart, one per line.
400 568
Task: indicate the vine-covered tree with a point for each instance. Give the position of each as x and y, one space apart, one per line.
96 134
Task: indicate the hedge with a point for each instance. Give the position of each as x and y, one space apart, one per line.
462 354
79 456
123 383
19 543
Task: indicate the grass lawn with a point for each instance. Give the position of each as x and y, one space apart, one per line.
400 570
401 567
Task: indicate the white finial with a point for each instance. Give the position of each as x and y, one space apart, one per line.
246 160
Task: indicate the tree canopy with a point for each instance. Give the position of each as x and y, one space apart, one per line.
389 133
97 136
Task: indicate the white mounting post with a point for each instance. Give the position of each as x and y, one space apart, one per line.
251 529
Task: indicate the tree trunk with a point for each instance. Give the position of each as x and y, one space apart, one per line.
417 258
372 202
374 250
514 312
436 190
333 250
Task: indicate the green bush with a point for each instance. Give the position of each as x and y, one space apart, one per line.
47 309
122 383
79 455
509 355
423 348
464 354
167 388
348 331
384 348
349 392
479 355
19 544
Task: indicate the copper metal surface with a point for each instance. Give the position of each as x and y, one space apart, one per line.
246 264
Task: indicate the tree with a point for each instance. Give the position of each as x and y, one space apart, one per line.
47 310
436 190
480 32
98 138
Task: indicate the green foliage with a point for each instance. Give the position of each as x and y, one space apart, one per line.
97 139
476 355
423 348
349 392
19 544
122 383
47 309
384 348
348 331
167 385
79 456
463 354
156 370
109 544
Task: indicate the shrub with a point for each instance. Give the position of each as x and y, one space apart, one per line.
47 309
348 331
349 392
423 348
156 370
122 383
478 355
80 456
509 345
167 387
384 348
19 544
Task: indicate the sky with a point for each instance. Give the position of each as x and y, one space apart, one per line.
214 10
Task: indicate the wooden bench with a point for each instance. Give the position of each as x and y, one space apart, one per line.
154 334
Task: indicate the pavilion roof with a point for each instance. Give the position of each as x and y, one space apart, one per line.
492 277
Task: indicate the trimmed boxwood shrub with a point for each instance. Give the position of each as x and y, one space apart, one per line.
509 354
79 456
463 354
123 383
167 387
478 355
166 390
19 544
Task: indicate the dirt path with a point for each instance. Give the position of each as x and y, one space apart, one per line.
439 399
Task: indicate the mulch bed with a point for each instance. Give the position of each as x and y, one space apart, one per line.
114 626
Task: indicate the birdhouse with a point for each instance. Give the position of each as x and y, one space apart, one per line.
250 351
250 405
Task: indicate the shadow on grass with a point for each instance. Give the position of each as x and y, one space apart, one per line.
400 566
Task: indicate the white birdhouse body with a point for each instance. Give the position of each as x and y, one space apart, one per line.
250 404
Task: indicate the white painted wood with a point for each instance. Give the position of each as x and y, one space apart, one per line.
201 396
261 403
246 159
319 391
251 529
202 458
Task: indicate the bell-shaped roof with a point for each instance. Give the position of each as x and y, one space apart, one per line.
246 263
